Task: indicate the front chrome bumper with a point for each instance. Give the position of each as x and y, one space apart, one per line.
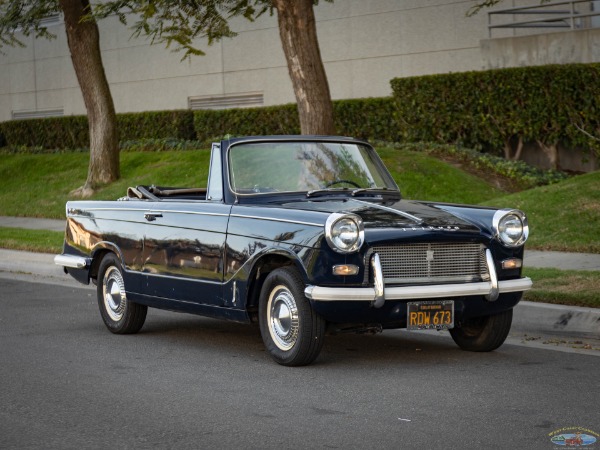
378 294
326 294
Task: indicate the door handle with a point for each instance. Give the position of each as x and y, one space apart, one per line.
151 217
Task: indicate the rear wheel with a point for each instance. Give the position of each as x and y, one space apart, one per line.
292 332
120 315
483 334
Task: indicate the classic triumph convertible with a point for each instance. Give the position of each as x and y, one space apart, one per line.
301 234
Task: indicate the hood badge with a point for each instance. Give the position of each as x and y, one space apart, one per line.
430 228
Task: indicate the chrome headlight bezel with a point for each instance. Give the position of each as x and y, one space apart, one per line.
352 225
502 218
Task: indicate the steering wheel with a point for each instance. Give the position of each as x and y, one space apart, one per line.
342 181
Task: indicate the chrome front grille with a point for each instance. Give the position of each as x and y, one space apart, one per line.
432 263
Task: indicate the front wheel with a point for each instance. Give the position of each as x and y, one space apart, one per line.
483 334
292 332
120 315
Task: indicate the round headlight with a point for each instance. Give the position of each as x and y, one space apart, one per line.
510 227
344 232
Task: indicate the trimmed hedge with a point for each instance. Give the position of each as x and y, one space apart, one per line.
177 124
368 118
500 108
212 124
492 109
51 132
71 132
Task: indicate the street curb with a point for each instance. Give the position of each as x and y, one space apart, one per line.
557 319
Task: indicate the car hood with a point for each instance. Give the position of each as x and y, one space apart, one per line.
404 214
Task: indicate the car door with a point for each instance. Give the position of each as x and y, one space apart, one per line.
184 250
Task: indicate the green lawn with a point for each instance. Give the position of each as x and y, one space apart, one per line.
566 287
39 185
563 216
42 241
424 177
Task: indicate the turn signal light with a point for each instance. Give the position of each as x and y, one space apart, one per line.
512 263
345 270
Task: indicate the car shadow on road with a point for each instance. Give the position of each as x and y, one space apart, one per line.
242 340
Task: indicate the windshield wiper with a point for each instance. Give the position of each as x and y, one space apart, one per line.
316 192
373 191
353 192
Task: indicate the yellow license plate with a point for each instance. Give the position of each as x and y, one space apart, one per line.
435 315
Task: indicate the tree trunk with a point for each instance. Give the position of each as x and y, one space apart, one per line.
551 152
508 151
298 32
84 44
519 150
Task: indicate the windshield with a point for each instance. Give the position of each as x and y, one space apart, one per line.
304 166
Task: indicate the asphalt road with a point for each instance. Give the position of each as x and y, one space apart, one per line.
190 382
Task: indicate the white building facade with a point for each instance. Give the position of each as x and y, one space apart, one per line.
364 44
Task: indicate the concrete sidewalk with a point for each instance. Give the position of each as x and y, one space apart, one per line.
32 223
562 260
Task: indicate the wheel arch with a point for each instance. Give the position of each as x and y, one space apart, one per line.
264 265
99 252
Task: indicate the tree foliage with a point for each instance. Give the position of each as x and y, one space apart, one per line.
24 17
487 4
180 24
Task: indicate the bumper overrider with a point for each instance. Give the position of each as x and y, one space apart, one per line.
378 293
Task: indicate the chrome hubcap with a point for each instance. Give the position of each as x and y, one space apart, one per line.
283 318
114 293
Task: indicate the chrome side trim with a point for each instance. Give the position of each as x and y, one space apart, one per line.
174 277
494 292
379 299
368 294
192 213
273 219
75 262
158 210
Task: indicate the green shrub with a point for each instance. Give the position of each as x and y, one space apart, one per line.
262 121
366 118
49 132
177 124
71 132
369 118
498 108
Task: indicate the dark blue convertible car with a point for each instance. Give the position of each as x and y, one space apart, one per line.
301 234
